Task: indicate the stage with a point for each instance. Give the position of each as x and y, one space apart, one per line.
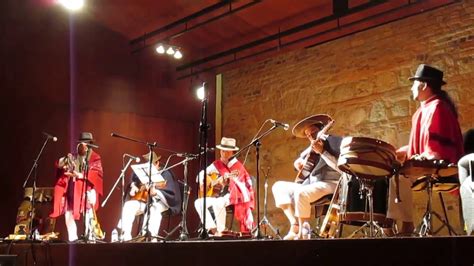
389 251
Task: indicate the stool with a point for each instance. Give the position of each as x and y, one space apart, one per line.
321 207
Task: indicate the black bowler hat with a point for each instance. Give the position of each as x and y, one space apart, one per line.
428 73
85 137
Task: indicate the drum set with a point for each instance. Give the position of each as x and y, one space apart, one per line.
368 164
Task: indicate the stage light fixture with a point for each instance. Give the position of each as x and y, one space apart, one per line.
72 5
178 54
160 49
170 51
200 93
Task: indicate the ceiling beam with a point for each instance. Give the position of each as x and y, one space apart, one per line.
279 35
188 29
181 21
306 38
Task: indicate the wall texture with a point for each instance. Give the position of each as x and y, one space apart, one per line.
360 80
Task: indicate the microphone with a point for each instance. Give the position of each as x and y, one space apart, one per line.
50 136
90 145
185 154
280 124
136 158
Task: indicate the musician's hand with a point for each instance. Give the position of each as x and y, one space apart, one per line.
317 146
78 175
401 156
160 185
423 157
299 165
133 190
153 191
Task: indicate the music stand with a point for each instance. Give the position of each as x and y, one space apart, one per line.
144 232
122 179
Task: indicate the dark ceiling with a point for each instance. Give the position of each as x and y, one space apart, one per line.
215 34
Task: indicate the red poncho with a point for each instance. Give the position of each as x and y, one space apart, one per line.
435 132
61 187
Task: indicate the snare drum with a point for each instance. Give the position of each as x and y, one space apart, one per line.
355 208
366 157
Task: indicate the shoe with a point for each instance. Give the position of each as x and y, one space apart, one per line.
291 236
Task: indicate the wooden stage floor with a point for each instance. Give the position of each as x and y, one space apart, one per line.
457 250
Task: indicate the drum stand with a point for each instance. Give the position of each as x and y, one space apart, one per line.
366 188
426 225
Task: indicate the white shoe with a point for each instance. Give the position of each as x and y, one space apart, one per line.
291 236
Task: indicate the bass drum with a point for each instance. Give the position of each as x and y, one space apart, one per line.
355 206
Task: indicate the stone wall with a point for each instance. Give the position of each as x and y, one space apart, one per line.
360 80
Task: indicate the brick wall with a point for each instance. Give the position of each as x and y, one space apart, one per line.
360 80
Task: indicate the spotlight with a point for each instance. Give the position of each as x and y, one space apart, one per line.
178 55
170 51
160 49
200 93
72 5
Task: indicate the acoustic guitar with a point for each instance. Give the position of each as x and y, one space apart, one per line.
312 157
143 191
216 184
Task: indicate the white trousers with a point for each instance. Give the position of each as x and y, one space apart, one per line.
218 207
133 208
71 223
301 196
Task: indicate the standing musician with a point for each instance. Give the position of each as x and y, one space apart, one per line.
70 187
318 178
165 195
435 134
229 183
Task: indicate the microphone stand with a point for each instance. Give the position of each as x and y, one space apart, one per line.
34 168
184 234
256 143
203 128
122 179
151 146
87 229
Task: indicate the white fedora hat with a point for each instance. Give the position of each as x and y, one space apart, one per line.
228 144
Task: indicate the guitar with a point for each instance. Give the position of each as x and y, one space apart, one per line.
142 193
217 184
331 221
311 158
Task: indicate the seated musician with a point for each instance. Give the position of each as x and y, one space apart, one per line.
315 181
435 134
465 168
164 195
233 186
70 186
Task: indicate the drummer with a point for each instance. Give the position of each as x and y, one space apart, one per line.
295 198
435 134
